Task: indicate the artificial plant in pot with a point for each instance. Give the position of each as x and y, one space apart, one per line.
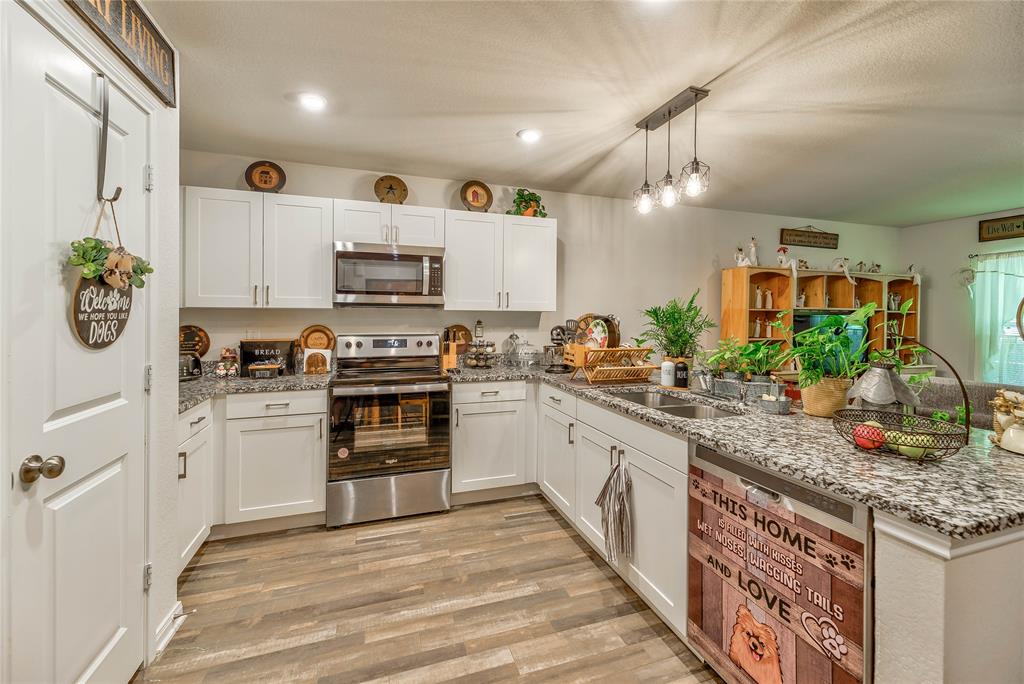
527 203
675 329
829 360
725 359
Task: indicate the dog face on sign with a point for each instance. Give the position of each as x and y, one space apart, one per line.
755 648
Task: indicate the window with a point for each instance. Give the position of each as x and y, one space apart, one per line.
998 290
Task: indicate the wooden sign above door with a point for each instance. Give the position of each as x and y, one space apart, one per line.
128 30
798 237
1002 228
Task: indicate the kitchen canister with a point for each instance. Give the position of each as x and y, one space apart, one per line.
668 374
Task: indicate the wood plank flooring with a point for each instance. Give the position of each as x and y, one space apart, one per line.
503 591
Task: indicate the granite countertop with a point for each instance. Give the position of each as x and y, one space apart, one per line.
194 392
972 493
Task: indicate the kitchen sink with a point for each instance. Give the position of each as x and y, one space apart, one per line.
654 400
696 411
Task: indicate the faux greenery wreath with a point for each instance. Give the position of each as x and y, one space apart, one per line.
524 201
118 268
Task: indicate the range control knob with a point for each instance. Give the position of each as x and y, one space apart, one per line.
348 345
359 345
419 343
430 343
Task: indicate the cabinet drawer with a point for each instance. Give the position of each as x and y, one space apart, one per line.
262 404
559 399
194 420
475 392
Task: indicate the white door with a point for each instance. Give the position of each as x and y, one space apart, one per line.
530 264
274 467
298 252
223 250
358 221
194 494
76 540
557 459
487 445
417 226
658 566
595 452
472 261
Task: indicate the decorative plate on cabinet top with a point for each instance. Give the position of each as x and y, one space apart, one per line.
391 190
476 196
192 338
460 335
318 337
265 176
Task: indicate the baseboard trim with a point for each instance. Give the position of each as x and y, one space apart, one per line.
288 522
496 494
168 627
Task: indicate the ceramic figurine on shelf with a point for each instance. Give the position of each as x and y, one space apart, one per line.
856 302
843 264
782 254
859 268
874 268
803 265
758 298
752 252
912 270
828 300
769 301
801 301
741 258
757 327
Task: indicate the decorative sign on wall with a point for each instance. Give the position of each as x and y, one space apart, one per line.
125 27
1002 228
99 312
800 237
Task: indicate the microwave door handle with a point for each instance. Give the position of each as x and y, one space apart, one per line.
426 275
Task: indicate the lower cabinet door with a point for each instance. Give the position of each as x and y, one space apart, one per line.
557 463
488 446
658 566
194 495
274 467
595 453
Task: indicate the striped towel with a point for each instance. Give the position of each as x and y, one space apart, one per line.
616 501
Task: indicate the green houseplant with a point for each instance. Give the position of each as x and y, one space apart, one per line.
675 329
762 358
725 359
527 203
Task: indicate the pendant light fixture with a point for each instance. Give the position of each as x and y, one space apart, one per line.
697 174
665 190
643 197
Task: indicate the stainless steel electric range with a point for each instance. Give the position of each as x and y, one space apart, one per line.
389 445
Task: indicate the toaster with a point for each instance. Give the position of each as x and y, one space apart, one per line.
189 366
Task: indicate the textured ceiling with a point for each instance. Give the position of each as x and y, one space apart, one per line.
885 113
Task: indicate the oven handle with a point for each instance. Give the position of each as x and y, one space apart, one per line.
388 389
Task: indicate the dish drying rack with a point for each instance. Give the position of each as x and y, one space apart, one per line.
613 364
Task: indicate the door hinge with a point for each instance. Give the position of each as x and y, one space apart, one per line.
147 378
149 182
147 576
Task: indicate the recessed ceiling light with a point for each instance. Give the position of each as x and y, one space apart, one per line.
312 102
529 135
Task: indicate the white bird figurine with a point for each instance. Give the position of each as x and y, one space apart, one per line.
843 264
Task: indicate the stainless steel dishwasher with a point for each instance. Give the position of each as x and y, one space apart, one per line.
779 576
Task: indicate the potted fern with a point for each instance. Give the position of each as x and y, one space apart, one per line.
675 329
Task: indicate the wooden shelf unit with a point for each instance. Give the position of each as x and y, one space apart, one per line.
739 287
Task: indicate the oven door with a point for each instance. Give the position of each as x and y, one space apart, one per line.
382 274
386 430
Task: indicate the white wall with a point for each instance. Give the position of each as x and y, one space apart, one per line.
941 249
610 259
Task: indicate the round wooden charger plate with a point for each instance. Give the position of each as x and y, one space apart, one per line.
189 333
318 337
461 336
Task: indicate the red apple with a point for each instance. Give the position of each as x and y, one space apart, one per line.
868 435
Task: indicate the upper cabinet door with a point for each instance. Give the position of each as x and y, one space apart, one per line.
223 253
417 226
472 261
357 221
531 263
297 252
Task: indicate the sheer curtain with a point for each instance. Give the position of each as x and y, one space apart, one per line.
997 290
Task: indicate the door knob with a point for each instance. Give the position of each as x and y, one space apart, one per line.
34 466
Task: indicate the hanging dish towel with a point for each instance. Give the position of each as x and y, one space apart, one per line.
616 502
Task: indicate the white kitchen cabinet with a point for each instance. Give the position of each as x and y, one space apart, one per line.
657 569
274 466
223 248
417 226
297 252
529 263
488 448
358 221
195 459
556 464
472 261
595 453
253 250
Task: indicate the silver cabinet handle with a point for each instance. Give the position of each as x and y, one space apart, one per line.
278 404
611 454
506 299
499 299
255 291
456 417
197 421
622 452
384 232
266 299
321 428
394 238
571 426
491 393
183 455
555 399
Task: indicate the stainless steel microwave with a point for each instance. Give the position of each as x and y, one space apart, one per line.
387 275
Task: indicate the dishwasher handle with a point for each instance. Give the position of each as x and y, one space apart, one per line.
754 488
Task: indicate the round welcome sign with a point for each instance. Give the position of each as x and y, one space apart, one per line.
99 312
